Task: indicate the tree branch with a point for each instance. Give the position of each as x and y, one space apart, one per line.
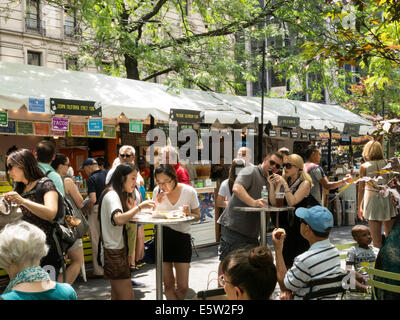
159 73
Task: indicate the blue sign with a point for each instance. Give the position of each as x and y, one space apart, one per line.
10 129
95 125
36 105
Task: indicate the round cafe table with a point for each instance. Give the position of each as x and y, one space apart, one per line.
264 212
145 218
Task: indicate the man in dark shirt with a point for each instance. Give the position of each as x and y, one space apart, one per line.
96 185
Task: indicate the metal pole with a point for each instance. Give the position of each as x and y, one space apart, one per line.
151 187
260 126
159 263
263 228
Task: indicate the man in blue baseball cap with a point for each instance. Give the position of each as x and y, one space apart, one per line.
321 260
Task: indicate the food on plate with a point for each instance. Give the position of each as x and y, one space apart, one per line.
176 214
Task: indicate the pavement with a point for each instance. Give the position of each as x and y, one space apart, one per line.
202 276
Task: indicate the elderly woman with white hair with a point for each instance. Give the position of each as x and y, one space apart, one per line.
22 246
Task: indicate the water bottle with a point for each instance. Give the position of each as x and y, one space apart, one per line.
264 194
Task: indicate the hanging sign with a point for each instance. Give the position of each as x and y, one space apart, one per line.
313 136
135 126
36 105
25 128
10 129
56 133
272 133
304 136
75 107
41 128
294 134
335 136
59 124
184 115
284 121
3 118
324 136
351 128
95 125
284 133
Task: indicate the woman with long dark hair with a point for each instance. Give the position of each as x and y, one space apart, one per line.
225 190
37 197
177 247
116 210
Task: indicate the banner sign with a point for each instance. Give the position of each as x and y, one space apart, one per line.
41 128
3 118
135 126
183 115
94 134
304 136
313 136
77 130
36 105
284 121
335 136
59 124
95 125
324 135
75 107
10 129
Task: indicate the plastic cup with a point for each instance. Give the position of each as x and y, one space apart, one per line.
280 198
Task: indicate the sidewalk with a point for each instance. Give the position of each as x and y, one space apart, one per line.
203 271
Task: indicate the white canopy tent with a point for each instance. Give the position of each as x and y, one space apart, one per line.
312 115
135 99
139 99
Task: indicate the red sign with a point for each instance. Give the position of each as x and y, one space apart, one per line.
78 130
41 128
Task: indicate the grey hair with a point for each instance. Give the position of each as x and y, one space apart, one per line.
132 149
22 243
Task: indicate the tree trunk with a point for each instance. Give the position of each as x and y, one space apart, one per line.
131 65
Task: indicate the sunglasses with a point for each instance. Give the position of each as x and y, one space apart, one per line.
125 155
288 165
273 163
222 280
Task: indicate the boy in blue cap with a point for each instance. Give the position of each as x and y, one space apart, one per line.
322 260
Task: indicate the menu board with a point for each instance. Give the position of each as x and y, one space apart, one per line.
41 128
25 128
10 129
77 130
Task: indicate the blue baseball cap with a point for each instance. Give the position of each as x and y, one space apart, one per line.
88 162
318 218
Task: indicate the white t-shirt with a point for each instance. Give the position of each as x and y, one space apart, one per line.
224 190
188 197
112 234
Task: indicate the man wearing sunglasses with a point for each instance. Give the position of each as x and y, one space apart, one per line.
242 228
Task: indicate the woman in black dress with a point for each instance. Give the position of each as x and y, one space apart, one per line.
37 197
296 185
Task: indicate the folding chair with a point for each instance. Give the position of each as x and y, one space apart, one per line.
379 283
328 287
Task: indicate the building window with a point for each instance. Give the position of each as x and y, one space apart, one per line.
34 58
32 15
69 23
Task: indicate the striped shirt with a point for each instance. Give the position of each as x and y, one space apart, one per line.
322 260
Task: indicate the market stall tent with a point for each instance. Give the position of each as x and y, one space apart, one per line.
134 99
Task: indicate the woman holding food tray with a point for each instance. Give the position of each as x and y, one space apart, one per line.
296 185
171 195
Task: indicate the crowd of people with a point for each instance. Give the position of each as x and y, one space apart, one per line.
247 270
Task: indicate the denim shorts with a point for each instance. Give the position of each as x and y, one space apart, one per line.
231 240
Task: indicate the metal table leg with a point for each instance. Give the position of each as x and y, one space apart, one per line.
263 229
159 263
